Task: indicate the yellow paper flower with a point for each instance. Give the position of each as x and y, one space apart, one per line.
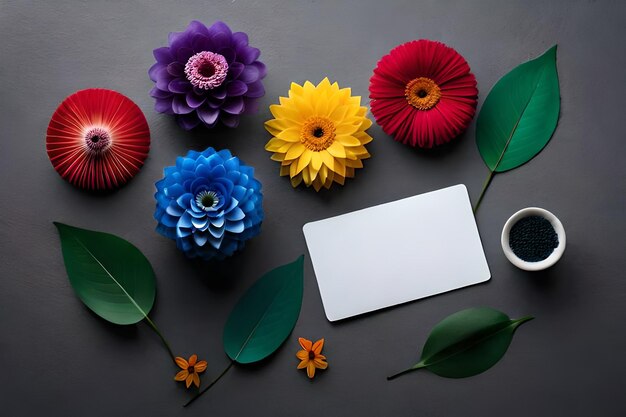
190 370
318 134
311 356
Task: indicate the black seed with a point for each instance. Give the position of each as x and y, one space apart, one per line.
533 238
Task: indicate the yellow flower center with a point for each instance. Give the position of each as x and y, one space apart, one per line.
422 93
318 133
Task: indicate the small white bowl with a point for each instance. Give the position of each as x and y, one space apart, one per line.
533 266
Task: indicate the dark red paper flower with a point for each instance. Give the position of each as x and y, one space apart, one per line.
423 93
97 139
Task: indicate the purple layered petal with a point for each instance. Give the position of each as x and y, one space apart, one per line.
183 54
261 68
214 102
236 88
179 105
235 69
219 92
176 69
179 86
248 55
193 100
233 105
196 26
222 27
240 39
250 105
256 89
201 43
250 74
154 69
220 40
163 55
208 115
228 53
163 79
164 105
156 93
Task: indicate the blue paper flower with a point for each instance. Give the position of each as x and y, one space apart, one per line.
210 203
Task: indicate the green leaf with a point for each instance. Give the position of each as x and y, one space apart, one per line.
467 343
110 275
266 314
520 114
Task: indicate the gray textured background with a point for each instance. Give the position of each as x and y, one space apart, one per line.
59 359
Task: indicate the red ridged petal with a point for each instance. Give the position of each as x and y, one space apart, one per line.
119 117
423 128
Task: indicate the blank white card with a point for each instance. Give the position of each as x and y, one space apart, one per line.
396 252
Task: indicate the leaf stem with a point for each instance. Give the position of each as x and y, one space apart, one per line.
230 365
156 330
482 192
415 367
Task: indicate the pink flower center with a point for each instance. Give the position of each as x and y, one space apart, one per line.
206 70
97 140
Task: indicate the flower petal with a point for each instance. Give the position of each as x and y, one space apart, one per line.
181 375
317 346
196 379
189 379
303 363
305 343
302 355
320 363
181 362
200 366
310 369
193 359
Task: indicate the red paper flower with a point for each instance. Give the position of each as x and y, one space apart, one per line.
97 139
423 93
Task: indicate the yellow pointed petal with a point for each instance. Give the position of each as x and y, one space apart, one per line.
328 159
295 151
310 369
312 172
346 129
316 160
304 160
188 380
337 150
301 354
274 144
196 380
306 177
323 174
295 181
303 363
291 134
347 140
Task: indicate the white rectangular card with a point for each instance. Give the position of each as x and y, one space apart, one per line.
396 252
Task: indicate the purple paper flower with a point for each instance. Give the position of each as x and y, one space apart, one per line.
207 75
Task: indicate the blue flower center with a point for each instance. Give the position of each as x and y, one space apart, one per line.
207 200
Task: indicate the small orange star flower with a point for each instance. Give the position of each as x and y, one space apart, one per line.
311 356
190 370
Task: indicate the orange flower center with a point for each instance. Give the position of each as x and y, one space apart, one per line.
318 133
422 93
